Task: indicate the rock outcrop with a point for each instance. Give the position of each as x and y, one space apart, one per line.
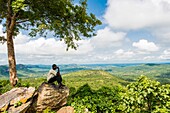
17 100
28 100
51 96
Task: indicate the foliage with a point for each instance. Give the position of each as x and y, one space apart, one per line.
4 86
47 110
19 103
18 5
22 84
34 82
62 18
146 95
2 39
104 100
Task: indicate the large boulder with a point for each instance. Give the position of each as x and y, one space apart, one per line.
51 96
17 100
28 100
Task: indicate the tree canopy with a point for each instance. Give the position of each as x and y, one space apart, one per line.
65 20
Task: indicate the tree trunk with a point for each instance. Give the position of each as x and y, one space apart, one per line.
10 25
11 59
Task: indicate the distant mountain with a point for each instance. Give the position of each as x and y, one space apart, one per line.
4 71
128 72
22 70
152 64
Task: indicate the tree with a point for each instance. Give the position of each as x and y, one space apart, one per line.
147 96
103 100
65 20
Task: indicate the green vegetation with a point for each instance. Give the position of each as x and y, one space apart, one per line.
146 95
103 100
127 72
159 72
98 91
142 96
17 104
49 111
94 78
34 82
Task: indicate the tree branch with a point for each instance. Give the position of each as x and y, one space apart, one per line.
22 21
9 8
13 21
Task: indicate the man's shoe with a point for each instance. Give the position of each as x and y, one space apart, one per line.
61 85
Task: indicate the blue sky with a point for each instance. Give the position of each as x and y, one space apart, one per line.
97 6
132 31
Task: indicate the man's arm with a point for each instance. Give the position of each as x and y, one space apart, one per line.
58 72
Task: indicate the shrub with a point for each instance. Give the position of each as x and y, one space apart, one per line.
104 100
146 95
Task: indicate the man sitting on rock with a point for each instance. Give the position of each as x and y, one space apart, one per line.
55 76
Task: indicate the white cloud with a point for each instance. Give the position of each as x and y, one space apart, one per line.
136 14
45 50
165 55
50 46
102 49
146 46
148 58
106 38
123 54
162 34
21 39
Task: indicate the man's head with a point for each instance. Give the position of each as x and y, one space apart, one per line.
54 66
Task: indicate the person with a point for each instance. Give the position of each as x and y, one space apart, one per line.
55 76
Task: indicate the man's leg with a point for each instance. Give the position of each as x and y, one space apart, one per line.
59 80
52 79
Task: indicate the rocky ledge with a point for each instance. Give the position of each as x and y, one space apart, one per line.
28 100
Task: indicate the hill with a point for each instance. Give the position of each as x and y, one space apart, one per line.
4 71
127 72
159 72
95 79
24 71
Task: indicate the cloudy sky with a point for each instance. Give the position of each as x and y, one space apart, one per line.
132 31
